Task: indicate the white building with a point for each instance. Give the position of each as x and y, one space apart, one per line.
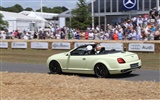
111 11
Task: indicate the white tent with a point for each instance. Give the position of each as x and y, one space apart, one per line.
20 21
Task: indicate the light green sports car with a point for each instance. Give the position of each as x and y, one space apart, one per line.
86 60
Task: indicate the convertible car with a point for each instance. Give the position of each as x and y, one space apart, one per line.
86 60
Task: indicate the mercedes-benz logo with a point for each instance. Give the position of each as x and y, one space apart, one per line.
129 4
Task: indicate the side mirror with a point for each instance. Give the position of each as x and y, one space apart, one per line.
68 54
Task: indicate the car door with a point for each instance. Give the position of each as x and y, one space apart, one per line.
77 59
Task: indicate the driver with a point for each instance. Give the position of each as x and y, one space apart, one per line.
98 48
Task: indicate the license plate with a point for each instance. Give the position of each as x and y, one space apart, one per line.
134 65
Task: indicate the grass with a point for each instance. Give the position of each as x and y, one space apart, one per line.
149 60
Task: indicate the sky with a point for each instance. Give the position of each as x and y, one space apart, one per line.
36 4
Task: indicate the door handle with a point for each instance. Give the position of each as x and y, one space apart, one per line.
84 59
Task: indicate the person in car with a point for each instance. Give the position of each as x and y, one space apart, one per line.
98 49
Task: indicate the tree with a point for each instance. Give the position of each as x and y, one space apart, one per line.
11 9
3 24
57 10
53 10
19 7
28 9
81 16
64 9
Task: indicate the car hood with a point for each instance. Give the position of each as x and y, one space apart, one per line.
59 54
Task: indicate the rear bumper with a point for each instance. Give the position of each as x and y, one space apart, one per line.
130 69
123 70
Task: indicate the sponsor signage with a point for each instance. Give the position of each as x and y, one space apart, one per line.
129 5
77 44
110 46
39 45
61 45
19 45
141 47
3 44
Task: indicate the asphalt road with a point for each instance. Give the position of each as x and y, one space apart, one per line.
138 75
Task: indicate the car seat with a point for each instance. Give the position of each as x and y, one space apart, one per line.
92 52
102 50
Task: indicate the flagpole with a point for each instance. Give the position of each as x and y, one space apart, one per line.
92 14
157 5
42 26
41 7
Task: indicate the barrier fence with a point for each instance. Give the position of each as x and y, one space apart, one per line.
135 46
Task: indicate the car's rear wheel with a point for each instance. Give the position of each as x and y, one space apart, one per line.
55 68
101 71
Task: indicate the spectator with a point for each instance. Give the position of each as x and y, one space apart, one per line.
91 35
120 35
25 37
129 35
58 35
35 35
134 33
138 36
96 35
157 34
77 35
86 35
111 35
115 35
3 35
15 33
40 35
106 36
101 34
82 35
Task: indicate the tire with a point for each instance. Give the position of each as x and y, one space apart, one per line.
101 71
55 68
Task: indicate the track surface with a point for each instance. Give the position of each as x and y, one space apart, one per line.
138 75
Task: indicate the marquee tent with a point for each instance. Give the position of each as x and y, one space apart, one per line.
21 22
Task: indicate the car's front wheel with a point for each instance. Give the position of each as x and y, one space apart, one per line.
55 68
101 71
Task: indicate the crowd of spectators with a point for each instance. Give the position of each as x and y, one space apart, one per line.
136 28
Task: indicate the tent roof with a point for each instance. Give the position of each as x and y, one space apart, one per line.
41 14
33 15
17 16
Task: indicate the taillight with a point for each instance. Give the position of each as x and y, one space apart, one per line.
120 60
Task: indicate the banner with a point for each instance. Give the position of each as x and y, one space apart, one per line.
129 5
19 45
39 45
61 45
110 46
141 47
3 44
